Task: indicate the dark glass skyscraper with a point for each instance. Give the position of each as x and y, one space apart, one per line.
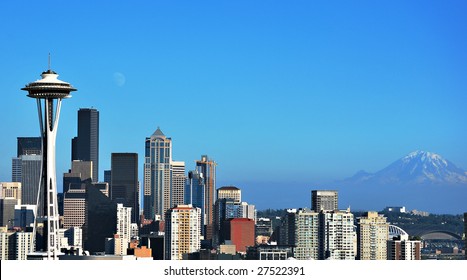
29 146
124 186
86 145
194 194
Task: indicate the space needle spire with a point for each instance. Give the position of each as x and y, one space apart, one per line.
49 92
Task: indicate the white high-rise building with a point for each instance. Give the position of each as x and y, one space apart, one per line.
306 234
247 211
24 245
16 245
6 245
123 228
182 231
337 235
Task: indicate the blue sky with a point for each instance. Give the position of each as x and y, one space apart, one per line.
282 94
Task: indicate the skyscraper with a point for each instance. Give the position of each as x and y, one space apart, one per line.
85 146
178 182
30 179
80 173
336 235
29 146
207 167
74 208
101 219
123 227
182 231
157 174
248 211
224 209
306 235
47 92
107 176
124 187
372 237
194 195
287 228
16 169
323 200
25 216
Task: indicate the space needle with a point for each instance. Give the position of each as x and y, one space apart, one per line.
49 92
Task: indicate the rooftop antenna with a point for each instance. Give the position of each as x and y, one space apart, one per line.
49 61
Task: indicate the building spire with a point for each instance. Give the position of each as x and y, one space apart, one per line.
49 62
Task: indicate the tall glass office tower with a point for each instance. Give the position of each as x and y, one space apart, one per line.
85 146
124 186
157 175
195 195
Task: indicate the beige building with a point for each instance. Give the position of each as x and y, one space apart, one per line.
372 237
11 190
230 192
182 231
227 249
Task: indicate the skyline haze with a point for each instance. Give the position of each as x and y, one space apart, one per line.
291 96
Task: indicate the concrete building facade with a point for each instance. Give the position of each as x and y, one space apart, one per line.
372 237
182 231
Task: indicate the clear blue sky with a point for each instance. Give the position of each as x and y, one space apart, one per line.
282 94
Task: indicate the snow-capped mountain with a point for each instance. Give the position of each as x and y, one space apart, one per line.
417 168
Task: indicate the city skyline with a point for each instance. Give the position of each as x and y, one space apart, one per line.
313 93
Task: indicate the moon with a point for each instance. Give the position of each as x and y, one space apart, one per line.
119 79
